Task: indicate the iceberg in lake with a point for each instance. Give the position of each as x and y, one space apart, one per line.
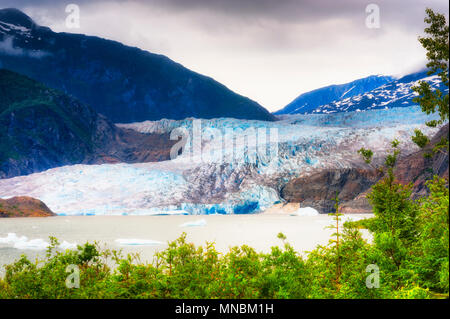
137 242
200 222
305 211
23 242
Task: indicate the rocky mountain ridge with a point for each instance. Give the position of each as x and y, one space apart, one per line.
309 101
123 83
42 128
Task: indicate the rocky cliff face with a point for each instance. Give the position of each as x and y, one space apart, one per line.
123 83
319 190
417 169
23 206
41 128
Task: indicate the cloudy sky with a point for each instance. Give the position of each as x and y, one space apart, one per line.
268 50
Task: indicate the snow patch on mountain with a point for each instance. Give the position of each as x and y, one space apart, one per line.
12 27
395 94
307 102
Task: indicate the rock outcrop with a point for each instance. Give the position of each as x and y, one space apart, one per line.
319 190
23 206
417 169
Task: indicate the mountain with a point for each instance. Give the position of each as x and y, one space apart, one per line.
123 83
41 128
307 102
397 93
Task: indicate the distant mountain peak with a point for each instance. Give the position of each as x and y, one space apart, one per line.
123 83
397 93
309 101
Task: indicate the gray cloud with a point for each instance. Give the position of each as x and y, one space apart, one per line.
269 50
7 48
405 12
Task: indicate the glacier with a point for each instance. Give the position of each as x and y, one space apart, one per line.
246 182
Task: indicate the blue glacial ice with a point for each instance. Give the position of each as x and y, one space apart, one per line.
196 223
248 183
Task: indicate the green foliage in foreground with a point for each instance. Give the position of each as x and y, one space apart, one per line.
408 257
436 43
409 249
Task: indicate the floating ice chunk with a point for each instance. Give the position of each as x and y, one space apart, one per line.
12 238
66 245
23 242
137 242
33 244
200 222
305 211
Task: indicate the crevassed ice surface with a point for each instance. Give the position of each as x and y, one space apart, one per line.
232 175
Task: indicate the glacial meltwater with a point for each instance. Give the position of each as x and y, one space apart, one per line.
148 234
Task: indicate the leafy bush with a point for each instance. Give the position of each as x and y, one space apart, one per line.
410 249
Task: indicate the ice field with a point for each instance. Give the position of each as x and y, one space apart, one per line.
227 166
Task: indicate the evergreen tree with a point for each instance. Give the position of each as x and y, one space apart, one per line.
437 45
